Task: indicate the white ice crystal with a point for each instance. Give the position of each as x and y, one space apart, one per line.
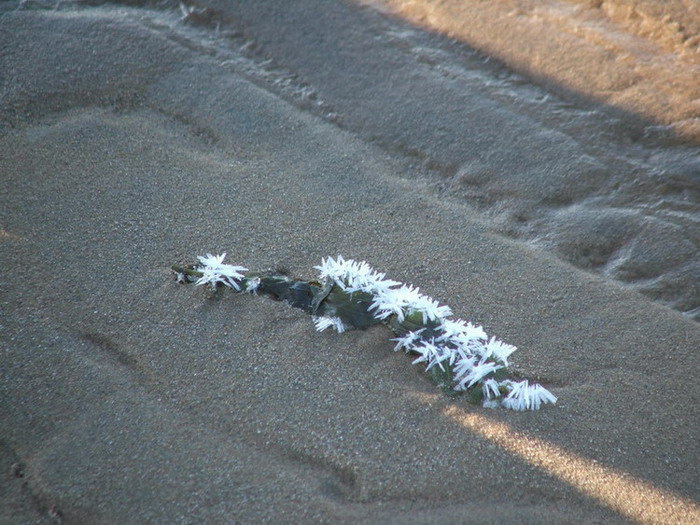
460 330
326 322
430 309
407 340
394 301
490 387
353 276
498 350
523 396
252 285
215 271
428 352
468 374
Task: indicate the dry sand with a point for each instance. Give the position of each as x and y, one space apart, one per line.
130 140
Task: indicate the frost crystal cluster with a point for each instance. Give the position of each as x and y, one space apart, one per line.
458 354
214 271
442 341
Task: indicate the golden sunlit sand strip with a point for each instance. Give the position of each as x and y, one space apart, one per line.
578 48
624 494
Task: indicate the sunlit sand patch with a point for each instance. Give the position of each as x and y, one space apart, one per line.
621 492
599 53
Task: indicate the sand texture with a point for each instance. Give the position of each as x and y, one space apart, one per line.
132 138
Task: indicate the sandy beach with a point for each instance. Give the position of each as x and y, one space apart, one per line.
565 221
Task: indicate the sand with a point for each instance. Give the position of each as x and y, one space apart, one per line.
131 139
619 53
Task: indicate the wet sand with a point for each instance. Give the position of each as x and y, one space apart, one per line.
143 140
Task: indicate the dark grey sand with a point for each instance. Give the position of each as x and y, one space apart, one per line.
130 141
